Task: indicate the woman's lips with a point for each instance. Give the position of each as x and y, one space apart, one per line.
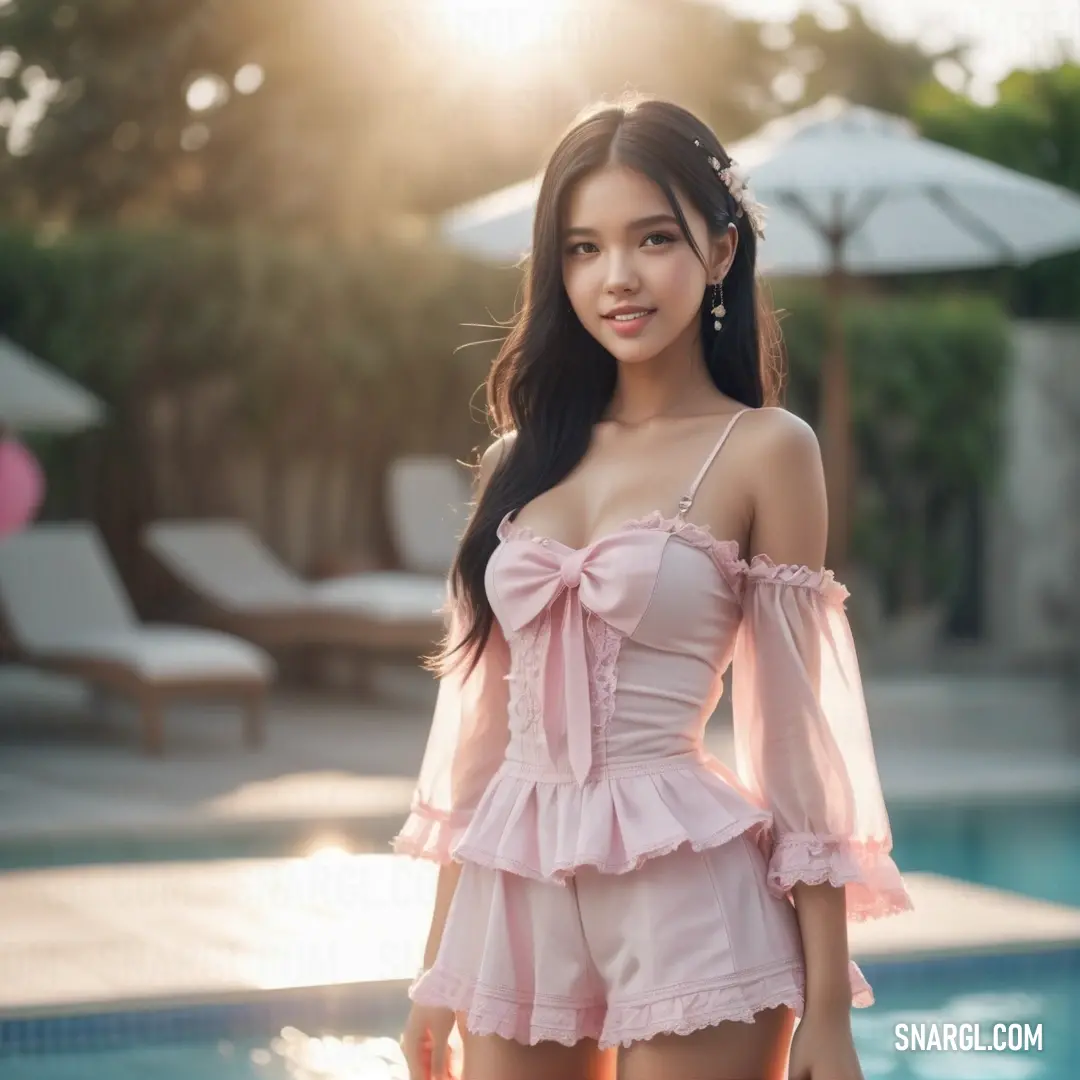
631 327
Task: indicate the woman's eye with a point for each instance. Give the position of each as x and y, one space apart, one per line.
664 238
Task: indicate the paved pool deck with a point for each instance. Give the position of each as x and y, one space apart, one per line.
78 938
110 937
66 772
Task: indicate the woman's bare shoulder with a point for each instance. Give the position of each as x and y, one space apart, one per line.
776 431
787 487
491 457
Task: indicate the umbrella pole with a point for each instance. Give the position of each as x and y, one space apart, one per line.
835 411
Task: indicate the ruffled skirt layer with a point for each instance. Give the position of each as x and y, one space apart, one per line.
544 827
690 939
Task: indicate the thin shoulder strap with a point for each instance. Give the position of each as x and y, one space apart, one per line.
688 500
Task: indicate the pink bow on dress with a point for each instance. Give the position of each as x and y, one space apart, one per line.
613 579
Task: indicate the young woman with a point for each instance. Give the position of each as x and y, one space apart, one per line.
646 519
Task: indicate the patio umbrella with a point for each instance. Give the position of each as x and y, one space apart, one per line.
36 397
848 190
854 191
496 227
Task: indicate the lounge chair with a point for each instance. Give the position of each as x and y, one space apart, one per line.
427 500
65 609
248 590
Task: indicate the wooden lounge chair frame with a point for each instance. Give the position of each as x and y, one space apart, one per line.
296 628
151 694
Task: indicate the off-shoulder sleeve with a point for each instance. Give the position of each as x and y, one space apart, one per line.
802 739
465 746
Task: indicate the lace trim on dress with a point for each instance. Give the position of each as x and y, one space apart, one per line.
606 643
526 675
547 831
725 553
701 536
688 1007
679 1009
874 885
511 530
559 873
761 569
429 833
492 1010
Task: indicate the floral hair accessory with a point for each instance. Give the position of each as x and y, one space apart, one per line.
738 184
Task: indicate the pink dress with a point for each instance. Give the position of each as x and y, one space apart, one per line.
619 881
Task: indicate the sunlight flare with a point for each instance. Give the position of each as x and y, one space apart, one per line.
498 26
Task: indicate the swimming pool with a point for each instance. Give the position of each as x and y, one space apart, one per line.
1030 847
259 840
319 1038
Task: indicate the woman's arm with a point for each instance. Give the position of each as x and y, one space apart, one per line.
822 915
790 527
450 872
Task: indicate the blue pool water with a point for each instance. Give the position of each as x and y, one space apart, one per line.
261 840
1028 847
1031 848
1024 991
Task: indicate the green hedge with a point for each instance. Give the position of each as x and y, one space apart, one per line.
926 383
331 353
320 353
310 335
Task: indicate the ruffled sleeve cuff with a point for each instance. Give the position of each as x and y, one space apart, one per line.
465 746
870 878
862 996
802 739
430 834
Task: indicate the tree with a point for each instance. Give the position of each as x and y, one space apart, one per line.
332 118
859 62
1034 127
121 138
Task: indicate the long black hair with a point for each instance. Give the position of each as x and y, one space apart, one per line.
552 381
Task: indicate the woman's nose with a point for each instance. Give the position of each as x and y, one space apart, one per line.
621 274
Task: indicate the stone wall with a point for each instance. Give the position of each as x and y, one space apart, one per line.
1033 544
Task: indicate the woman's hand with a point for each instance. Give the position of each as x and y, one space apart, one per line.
823 1048
425 1042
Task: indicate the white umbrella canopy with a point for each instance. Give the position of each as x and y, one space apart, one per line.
848 191
498 226
853 191
36 397
902 203
848 183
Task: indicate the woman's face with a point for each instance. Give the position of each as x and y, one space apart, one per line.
622 249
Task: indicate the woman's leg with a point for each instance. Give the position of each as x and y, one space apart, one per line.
490 1057
695 938
514 956
729 1051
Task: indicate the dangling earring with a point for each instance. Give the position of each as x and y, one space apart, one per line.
718 310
